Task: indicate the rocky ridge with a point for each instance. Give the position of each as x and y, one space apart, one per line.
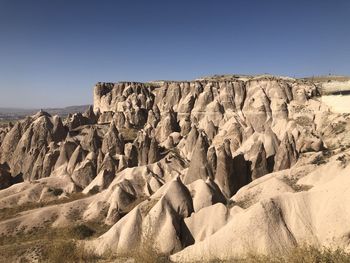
193 164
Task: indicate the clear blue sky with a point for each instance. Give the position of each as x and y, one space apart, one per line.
53 51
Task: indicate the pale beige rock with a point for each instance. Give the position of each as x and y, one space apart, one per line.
112 142
199 167
263 160
273 220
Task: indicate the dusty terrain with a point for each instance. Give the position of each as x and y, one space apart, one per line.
213 169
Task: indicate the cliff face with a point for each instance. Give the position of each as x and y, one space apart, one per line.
262 109
204 101
183 161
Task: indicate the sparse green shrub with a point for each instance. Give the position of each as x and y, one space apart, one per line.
339 127
343 160
82 231
319 160
56 191
292 182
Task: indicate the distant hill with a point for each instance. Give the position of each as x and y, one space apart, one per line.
18 113
328 78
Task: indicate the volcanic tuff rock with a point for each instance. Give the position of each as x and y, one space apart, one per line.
198 166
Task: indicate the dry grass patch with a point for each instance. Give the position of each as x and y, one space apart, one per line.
302 254
304 121
147 252
10 212
67 251
81 231
51 244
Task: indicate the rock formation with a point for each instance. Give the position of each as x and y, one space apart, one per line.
204 168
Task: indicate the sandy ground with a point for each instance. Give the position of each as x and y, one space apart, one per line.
337 103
